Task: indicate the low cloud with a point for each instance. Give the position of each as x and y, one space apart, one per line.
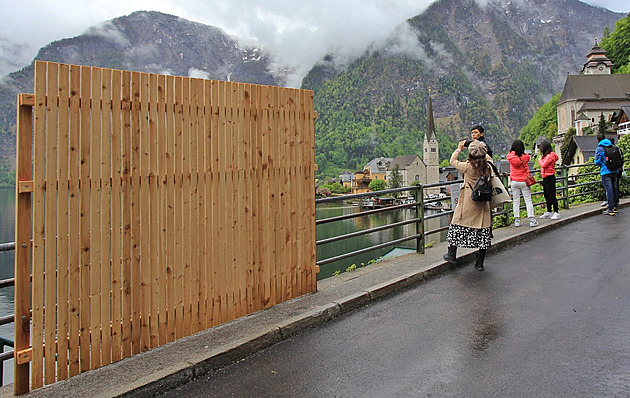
110 32
298 33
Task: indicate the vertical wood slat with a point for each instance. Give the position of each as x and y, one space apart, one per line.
171 209
84 218
201 205
216 204
95 220
211 170
145 215
178 266
39 158
187 255
116 216
50 235
193 143
74 267
105 221
135 283
126 222
162 213
154 222
63 177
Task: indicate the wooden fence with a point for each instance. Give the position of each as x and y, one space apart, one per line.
151 207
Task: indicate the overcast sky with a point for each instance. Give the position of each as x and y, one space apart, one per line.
303 30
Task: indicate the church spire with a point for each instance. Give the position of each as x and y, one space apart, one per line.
430 122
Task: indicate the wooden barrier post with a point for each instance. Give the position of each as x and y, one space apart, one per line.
24 187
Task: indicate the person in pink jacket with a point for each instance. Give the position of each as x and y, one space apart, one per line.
519 169
547 162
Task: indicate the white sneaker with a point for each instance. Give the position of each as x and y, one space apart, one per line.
555 216
547 215
533 222
604 204
517 222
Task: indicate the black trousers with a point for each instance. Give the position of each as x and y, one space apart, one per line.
549 189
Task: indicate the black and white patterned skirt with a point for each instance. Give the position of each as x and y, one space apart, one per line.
461 236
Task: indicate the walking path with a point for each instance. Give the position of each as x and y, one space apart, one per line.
176 363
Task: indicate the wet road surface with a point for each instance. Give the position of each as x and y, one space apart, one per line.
548 318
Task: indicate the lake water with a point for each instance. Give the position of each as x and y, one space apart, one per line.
327 210
7 234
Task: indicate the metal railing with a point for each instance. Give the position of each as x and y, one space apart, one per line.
565 185
566 181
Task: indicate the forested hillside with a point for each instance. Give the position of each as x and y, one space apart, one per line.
493 65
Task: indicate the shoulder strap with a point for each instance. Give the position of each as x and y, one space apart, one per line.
494 168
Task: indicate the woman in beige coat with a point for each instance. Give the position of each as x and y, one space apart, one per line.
471 225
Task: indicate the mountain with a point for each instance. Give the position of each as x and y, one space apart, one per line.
493 65
143 41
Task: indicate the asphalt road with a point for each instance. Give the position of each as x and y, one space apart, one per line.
548 318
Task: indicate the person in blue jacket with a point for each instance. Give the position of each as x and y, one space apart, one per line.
610 178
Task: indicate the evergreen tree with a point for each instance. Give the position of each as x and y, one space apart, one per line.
617 45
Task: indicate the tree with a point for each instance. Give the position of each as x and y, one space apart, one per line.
395 178
543 123
617 45
377 185
601 126
568 137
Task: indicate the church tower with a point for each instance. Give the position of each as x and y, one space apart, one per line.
597 62
431 152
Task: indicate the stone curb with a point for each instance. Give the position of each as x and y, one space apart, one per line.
177 374
322 314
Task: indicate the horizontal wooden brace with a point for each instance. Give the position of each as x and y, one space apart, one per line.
26 99
25 186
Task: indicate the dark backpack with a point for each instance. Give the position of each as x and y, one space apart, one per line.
482 191
614 157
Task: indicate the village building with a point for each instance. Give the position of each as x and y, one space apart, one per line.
596 92
593 93
412 168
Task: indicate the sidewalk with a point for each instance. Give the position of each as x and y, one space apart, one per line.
166 367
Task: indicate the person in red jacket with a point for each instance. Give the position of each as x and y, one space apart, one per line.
519 169
547 162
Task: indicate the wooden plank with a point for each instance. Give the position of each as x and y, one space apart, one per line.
274 189
222 234
116 209
215 265
240 193
256 159
203 199
309 134
178 266
154 219
63 178
145 215
105 221
265 232
247 191
163 211
50 245
136 233
170 203
39 207
230 236
95 220
74 266
84 218
23 245
194 208
127 222
187 255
